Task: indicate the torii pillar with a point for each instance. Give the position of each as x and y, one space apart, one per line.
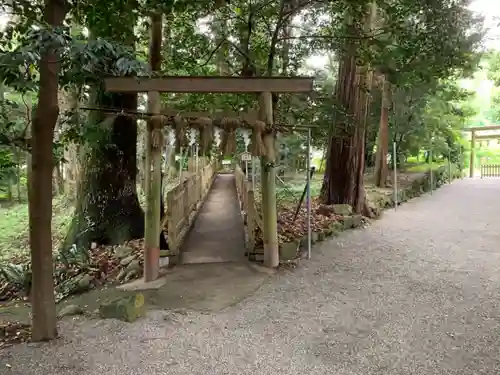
472 153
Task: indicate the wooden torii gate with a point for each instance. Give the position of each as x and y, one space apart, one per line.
264 86
475 137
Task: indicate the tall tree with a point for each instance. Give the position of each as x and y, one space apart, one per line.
107 209
418 44
343 181
40 188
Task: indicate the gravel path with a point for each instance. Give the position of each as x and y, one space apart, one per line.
416 293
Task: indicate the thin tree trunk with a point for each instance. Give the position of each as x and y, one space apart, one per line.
70 169
10 195
55 186
381 167
18 174
40 198
59 178
221 35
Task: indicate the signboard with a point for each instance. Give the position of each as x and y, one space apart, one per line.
246 156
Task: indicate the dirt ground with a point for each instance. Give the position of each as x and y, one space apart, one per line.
200 287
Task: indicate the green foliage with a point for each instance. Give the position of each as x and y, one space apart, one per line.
17 275
430 116
492 61
429 42
83 61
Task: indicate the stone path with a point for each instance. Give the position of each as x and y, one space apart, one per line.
418 292
217 235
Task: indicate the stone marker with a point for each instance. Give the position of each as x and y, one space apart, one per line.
288 250
127 309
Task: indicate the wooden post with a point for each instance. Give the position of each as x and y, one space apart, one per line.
154 149
250 219
191 164
268 176
472 153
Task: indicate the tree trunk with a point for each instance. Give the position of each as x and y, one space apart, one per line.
55 186
28 155
60 178
343 181
18 174
220 30
10 195
107 209
40 193
381 167
169 168
70 170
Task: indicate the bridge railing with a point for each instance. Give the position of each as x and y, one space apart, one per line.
183 202
490 170
252 218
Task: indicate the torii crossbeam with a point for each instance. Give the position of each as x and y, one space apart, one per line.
215 84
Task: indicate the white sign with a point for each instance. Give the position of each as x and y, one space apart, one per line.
246 156
226 162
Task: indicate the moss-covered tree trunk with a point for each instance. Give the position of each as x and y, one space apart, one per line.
107 209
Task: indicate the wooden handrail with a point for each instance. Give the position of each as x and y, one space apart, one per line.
183 202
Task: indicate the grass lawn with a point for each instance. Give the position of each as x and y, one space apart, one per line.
14 230
424 167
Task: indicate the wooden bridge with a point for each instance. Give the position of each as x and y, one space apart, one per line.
206 216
